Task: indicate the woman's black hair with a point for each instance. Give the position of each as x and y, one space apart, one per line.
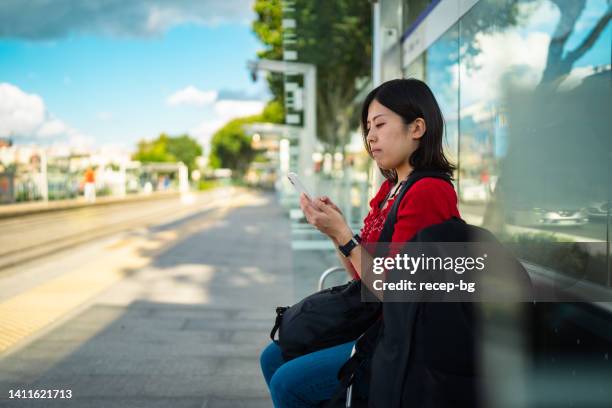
412 99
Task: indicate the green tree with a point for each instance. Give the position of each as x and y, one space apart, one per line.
166 148
336 37
185 149
268 28
273 112
231 147
154 150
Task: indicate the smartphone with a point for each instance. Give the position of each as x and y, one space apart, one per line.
293 178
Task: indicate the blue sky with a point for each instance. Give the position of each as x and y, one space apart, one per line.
109 86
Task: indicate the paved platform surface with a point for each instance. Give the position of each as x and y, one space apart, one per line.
183 329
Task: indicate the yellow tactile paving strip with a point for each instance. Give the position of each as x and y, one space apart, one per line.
33 310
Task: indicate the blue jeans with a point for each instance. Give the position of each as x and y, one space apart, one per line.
304 381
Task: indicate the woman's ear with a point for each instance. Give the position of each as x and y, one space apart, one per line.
419 127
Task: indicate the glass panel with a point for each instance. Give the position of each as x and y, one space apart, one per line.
441 68
438 66
416 69
534 124
534 141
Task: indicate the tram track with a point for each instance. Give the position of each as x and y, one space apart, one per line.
21 250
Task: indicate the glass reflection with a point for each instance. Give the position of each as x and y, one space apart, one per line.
535 90
438 67
534 155
529 85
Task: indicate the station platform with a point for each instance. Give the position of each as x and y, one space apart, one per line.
173 314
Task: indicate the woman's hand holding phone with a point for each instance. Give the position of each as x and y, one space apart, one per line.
326 200
325 216
322 213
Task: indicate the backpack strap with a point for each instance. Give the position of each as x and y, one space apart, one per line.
364 347
277 322
389 227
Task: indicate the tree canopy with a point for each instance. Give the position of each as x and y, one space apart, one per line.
166 148
336 36
231 146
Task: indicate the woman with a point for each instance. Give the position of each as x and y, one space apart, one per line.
403 131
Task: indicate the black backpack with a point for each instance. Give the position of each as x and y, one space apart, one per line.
423 354
336 315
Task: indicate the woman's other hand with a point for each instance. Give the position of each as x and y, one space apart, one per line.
328 201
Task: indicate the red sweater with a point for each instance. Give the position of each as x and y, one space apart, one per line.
429 201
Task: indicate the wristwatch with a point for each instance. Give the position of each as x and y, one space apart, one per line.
348 247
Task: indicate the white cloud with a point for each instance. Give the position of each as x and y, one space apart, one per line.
25 117
576 76
43 19
20 113
504 58
220 106
52 128
205 130
73 142
191 96
544 14
224 111
232 109
80 141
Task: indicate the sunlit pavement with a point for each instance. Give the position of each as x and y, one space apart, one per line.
173 314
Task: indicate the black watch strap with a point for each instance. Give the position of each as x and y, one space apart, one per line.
349 246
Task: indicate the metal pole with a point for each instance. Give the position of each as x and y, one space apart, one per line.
183 178
43 171
307 142
122 179
376 46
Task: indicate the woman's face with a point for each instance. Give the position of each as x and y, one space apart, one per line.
389 138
